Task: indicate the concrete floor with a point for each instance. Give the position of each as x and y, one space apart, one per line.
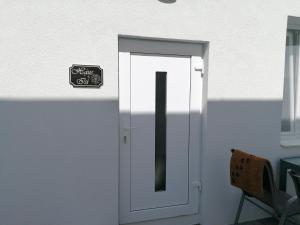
269 221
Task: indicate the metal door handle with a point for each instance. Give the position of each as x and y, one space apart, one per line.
125 134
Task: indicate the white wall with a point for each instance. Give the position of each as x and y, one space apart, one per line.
59 145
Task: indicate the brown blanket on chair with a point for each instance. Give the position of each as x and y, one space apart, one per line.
246 172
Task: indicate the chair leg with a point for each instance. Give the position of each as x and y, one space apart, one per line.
289 204
283 218
238 213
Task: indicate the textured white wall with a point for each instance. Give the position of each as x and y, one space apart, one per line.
57 171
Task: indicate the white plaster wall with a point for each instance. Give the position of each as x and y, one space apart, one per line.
60 172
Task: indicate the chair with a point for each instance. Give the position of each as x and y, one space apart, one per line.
282 204
293 200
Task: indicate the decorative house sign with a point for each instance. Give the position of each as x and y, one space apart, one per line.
86 76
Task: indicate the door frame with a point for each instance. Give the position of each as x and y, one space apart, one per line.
142 46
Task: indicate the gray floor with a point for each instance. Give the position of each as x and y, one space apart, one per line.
269 221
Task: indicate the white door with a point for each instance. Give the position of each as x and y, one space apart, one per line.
160 124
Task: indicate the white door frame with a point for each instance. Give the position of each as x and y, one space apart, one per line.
125 215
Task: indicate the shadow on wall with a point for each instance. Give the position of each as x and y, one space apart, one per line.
58 159
253 126
58 162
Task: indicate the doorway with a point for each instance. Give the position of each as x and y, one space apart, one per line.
160 99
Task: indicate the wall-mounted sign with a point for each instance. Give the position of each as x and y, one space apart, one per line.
86 76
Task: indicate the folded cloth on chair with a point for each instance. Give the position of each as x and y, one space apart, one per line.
246 172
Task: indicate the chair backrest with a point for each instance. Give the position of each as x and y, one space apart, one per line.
269 186
266 173
296 181
268 179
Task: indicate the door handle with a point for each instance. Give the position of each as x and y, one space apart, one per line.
126 129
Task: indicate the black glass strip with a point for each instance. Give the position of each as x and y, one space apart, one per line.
160 131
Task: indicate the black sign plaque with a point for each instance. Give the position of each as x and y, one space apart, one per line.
86 76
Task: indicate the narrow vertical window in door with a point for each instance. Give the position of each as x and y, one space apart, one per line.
160 131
